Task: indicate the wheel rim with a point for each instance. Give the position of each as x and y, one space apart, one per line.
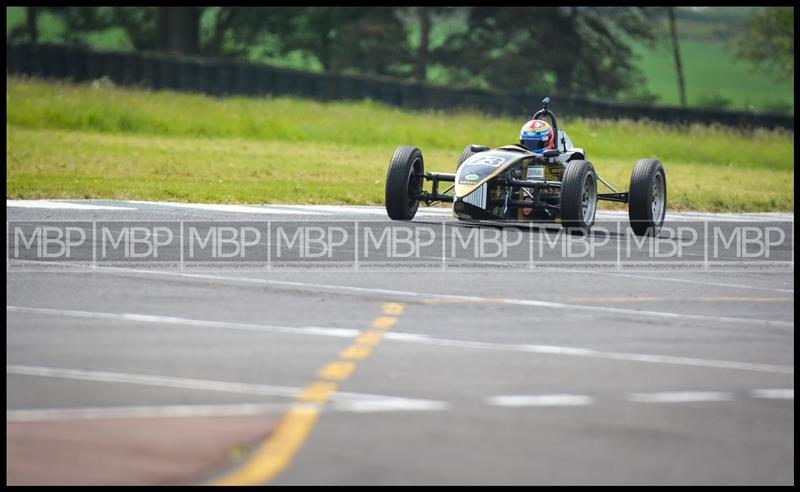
657 199
414 186
589 199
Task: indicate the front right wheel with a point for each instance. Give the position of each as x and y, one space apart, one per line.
647 197
404 181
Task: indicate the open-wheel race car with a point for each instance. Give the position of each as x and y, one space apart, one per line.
515 183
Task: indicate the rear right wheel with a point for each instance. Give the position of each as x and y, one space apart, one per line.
647 197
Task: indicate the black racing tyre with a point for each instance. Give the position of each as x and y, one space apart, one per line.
468 152
647 197
578 196
404 183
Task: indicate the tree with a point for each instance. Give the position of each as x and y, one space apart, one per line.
178 29
171 29
374 42
673 31
486 53
421 62
29 30
766 40
568 50
371 40
31 14
367 40
139 23
421 25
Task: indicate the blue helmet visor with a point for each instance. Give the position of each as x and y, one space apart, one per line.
534 144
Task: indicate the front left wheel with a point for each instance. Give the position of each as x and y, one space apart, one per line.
404 183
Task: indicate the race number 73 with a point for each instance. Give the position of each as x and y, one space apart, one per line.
488 160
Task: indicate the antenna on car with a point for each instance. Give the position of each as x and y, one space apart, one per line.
546 102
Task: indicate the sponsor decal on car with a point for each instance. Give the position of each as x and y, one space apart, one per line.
536 172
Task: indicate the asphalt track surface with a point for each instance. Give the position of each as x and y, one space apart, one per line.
551 375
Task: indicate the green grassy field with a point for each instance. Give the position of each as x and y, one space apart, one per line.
710 71
75 141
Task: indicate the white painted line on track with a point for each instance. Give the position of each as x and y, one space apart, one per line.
396 404
340 289
679 397
360 406
598 354
567 270
690 216
773 394
361 210
659 359
539 400
420 339
93 413
294 209
150 380
147 318
52 204
223 410
610 214
681 280
247 209
562 400
380 402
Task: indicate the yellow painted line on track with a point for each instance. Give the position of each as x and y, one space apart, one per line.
278 450
338 370
355 351
393 308
317 392
384 322
371 338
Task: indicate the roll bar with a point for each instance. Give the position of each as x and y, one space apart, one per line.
545 111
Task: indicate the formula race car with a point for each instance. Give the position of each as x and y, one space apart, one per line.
512 183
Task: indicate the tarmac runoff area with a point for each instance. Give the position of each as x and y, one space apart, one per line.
446 367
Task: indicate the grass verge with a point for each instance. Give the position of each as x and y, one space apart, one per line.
73 141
